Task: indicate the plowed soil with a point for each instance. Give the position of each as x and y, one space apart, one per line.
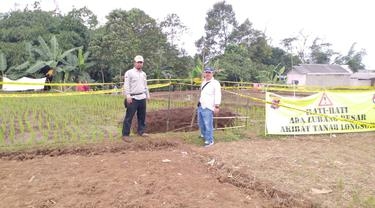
146 173
163 171
181 119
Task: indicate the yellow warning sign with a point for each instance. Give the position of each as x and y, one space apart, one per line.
325 101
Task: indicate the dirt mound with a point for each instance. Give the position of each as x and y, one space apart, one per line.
90 149
180 119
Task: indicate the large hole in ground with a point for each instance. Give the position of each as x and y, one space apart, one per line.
180 120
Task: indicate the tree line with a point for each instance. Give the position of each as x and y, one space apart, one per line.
74 47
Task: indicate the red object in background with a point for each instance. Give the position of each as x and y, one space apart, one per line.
82 87
86 87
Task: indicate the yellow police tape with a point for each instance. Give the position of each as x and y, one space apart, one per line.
192 81
55 84
71 93
240 85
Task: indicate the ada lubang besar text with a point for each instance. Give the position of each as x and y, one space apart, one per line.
320 113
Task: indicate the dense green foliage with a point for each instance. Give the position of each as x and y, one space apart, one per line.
239 51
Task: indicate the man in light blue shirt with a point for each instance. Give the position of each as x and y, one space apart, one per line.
209 104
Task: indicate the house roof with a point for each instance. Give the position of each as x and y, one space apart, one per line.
321 69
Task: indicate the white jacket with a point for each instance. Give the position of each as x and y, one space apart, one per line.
211 94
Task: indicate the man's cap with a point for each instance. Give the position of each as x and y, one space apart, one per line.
138 58
209 69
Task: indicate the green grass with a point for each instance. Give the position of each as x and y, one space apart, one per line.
358 200
41 120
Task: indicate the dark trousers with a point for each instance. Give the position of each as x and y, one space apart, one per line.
138 106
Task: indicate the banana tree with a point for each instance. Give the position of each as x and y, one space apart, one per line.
13 72
3 64
195 74
277 73
272 74
48 55
75 66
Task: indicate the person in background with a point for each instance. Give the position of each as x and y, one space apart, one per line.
80 87
86 86
208 105
136 92
115 90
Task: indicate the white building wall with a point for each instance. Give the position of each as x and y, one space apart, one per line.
301 78
357 82
328 80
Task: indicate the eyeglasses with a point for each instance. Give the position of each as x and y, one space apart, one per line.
208 72
139 62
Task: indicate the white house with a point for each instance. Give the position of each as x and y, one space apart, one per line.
363 78
323 75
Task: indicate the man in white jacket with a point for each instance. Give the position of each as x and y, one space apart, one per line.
209 104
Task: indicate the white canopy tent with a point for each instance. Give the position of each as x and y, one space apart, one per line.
23 84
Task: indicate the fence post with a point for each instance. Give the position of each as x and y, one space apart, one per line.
169 102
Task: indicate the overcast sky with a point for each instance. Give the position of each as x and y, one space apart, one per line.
339 22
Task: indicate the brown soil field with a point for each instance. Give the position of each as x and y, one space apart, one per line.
163 171
335 170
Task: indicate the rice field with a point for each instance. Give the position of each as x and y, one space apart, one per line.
81 118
